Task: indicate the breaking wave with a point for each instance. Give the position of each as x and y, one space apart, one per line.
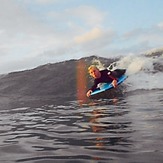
143 72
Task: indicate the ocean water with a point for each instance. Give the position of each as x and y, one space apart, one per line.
124 129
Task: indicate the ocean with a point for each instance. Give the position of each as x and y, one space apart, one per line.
126 128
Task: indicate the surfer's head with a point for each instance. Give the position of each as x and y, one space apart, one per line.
94 71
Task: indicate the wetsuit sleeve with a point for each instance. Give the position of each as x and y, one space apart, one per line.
94 87
112 75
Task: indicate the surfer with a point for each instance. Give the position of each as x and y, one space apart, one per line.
103 76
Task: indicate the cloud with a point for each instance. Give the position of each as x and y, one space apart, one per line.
144 38
21 34
160 25
95 33
41 2
75 17
14 18
20 64
95 42
89 14
46 1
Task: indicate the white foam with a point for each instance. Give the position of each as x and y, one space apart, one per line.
147 81
134 64
141 73
98 63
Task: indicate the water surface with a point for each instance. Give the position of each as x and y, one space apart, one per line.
124 129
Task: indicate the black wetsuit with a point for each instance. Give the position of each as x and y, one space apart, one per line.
107 76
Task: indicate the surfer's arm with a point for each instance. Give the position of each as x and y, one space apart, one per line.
93 88
114 79
114 83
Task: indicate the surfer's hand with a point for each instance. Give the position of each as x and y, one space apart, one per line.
89 93
114 83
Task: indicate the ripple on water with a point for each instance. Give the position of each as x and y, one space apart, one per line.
98 131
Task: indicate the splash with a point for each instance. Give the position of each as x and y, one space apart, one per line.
144 81
140 70
135 64
98 64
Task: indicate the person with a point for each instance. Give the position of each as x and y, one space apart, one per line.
103 76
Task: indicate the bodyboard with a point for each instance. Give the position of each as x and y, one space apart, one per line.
107 86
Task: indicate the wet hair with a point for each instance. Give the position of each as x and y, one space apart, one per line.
92 67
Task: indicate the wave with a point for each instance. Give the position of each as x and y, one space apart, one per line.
70 79
143 72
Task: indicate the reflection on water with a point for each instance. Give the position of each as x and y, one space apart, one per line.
116 130
115 123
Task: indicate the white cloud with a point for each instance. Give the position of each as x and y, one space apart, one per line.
77 18
160 25
95 33
40 2
13 18
88 14
21 34
144 38
95 42
46 1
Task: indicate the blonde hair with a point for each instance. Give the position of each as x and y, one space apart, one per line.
92 67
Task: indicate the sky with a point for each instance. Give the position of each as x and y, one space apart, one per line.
37 32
